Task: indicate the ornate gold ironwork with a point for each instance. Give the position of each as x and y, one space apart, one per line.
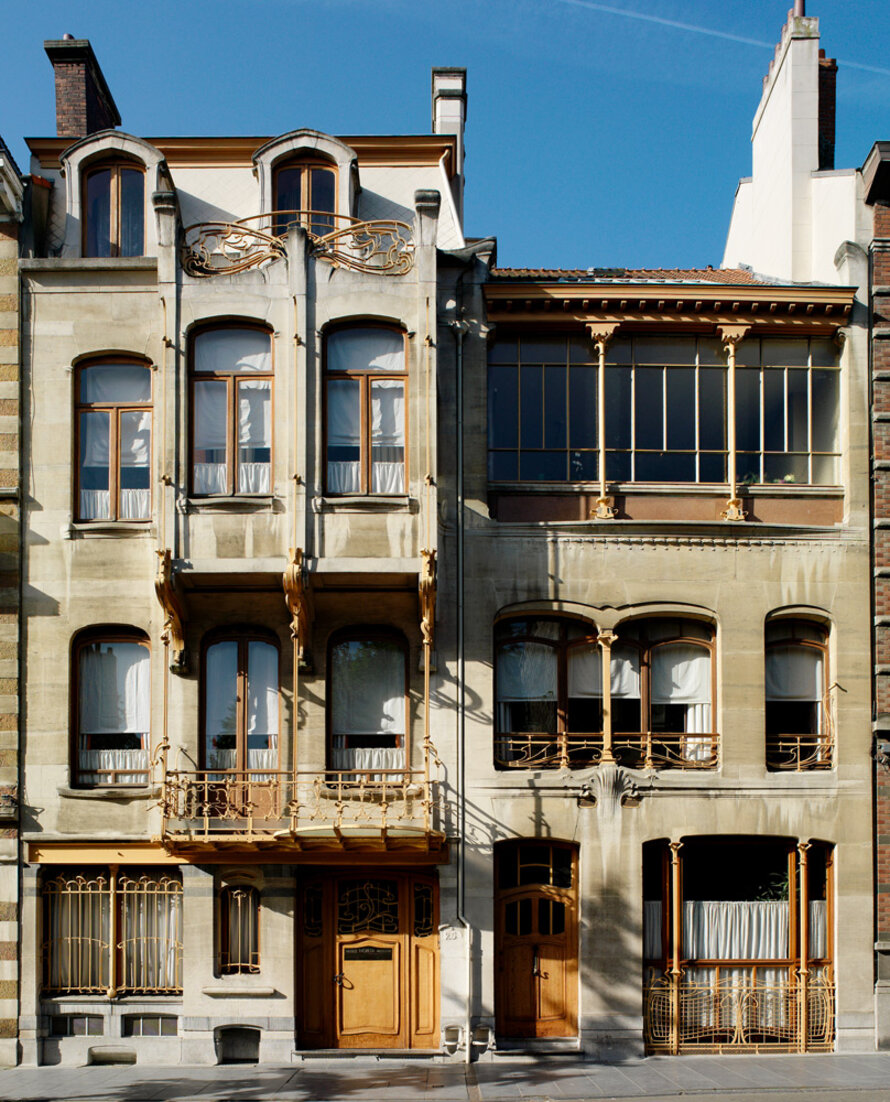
799 752
368 905
426 586
423 910
745 1007
647 750
174 610
240 805
298 597
380 247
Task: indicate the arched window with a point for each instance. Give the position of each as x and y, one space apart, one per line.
549 693
232 410
239 929
112 707
798 733
367 690
241 704
114 440
306 192
114 209
366 386
662 693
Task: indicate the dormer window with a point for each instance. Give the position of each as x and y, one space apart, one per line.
114 210
309 187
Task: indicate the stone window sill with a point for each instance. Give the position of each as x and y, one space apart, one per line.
110 792
121 529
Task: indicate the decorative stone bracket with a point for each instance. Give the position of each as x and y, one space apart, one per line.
298 598
174 612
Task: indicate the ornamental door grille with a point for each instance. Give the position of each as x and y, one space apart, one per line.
369 961
537 940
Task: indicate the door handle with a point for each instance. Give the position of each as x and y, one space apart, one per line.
338 979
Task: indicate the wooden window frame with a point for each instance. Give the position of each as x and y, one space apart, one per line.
242 636
114 410
115 167
823 757
305 165
227 966
365 379
110 634
231 379
370 634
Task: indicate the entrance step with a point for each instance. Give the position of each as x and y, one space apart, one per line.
556 1046
366 1053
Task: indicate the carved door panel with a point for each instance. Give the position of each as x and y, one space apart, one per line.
369 993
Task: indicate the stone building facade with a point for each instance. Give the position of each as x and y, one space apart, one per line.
423 655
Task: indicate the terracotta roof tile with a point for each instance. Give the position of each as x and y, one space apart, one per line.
631 275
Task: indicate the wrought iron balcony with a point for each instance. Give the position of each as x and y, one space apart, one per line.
800 752
645 750
382 247
304 810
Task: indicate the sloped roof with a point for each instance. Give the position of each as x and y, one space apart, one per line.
633 275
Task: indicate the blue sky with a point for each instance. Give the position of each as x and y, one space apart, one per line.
598 133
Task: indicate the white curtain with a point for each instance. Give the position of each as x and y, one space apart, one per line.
211 412
221 704
366 757
151 935
79 932
525 671
344 433
735 929
818 929
262 706
681 674
135 456
368 681
115 383
653 946
365 350
238 350
95 504
586 672
387 436
210 478
114 698
254 433
794 672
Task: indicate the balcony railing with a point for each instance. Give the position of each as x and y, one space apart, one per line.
799 752
737 1007
381 247
297 808
644 750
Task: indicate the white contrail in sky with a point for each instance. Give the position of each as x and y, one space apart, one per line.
676 25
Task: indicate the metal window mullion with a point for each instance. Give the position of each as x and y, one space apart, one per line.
696 411
230 434
761 442
664 408
633 418
810 417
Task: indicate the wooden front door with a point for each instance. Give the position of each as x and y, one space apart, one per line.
537 940
369 961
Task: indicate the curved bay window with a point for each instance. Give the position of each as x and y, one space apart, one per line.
368 689
305 192
549 693
752 965
798 730
114 440
232 411
112 708
114 210
662 693
239 930
365 390
241 706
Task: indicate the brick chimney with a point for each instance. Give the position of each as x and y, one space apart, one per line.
83 101
827 100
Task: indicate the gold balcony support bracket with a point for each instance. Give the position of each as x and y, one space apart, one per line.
426 589
172 634
676 941
803 971
601 333
298 598
730 336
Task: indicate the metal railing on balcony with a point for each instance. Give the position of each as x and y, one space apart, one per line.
738 1007
258 805
800 753
644 750
378 247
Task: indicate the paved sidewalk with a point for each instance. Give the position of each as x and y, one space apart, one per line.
737 1078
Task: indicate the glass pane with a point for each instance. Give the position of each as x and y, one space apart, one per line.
583 466
539 350
504 352
825 410
781 352
785 468
135 469
748 467
254 436
681 408
617 408
526 671
132 211
368 689
365 349
503 407
747 410
322 197
211 415
221 705
582 408
531 403
262 705
95 500
288 196
114 691
825 470
823 353
649 409
239 350
712 467
542 466
555 407
661 350
774 411
98 213
344 436
115 383
798 430
617 465
562 868
503 466
710 352
387 437
712 410
582 351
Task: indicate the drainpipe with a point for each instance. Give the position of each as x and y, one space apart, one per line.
459 329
